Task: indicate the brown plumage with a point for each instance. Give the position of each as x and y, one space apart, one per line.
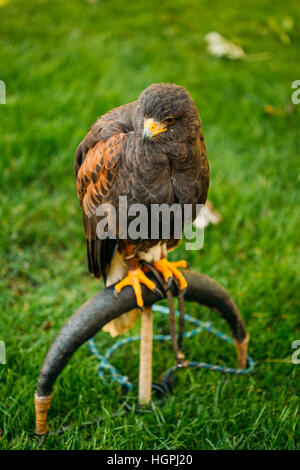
113 160
152 151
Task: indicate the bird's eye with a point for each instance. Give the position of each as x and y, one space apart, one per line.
170 121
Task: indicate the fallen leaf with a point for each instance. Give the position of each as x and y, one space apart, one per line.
219 47
209 215
269 109
279 110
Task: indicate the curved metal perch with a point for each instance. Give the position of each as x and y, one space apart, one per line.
104 307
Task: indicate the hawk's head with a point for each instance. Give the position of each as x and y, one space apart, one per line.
167 112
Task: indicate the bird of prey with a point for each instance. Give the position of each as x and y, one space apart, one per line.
152 151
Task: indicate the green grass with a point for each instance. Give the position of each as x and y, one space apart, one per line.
65 63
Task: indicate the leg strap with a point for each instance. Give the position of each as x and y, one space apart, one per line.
176 343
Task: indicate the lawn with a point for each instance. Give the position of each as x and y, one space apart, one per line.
64 64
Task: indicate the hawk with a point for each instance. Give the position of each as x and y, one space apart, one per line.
152 151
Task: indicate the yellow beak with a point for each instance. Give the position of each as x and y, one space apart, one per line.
152 128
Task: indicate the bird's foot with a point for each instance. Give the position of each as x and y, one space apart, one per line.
169 270
135 278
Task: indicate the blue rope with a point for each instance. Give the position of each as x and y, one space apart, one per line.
105 367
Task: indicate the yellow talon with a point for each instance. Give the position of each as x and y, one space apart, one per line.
169 269
135 278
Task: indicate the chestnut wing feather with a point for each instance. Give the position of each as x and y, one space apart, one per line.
96 174
96 162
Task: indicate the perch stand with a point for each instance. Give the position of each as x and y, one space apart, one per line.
104 307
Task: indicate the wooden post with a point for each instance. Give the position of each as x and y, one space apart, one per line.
145 374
